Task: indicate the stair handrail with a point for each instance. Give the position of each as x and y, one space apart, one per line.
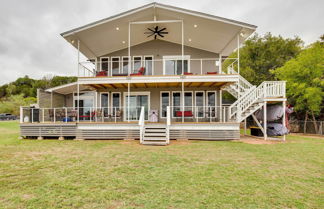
168 124
265 89
141 123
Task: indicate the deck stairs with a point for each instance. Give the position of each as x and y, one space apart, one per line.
251 98
155 134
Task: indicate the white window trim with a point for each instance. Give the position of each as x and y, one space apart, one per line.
133 62
215 102
146 93
176 57
111 64
93 97
111 101
100 63
192 102
204 100
122 62
152 56
161 101
100 105
173 103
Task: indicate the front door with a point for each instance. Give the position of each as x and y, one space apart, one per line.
136 101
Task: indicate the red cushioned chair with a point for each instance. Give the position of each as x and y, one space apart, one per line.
101 73
140 71
212 73
186 113
186 73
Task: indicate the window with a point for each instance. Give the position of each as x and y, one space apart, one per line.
86 104
115 65
104 103
125 65
188 99
149 65
137 63
176 103
115 100
164 102
136 100
199 103
211 103
104 64
172 65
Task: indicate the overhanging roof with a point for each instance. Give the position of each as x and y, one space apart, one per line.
213 33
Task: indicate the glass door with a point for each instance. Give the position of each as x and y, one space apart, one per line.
135 104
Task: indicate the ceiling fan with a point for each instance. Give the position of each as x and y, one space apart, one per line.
156 32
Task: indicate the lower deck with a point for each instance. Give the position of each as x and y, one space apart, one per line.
101 130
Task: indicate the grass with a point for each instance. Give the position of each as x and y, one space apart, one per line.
197 174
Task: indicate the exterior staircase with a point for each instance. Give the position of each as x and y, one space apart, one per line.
155 134
251 98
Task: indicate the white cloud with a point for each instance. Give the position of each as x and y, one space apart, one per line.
30 43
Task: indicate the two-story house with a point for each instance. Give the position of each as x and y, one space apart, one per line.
152 73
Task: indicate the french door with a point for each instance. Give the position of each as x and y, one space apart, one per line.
136 101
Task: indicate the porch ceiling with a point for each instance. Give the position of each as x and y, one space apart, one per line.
212 33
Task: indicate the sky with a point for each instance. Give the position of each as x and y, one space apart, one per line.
30 41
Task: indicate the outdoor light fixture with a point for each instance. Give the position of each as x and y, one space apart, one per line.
189 39
72 41
195 25
123 42
117 28
242 34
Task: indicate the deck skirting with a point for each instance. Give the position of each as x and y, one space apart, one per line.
205 131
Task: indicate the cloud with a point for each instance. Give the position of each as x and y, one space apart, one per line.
30 43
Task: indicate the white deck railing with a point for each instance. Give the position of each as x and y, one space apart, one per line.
199 114
82 114
121 114
267 89
157 67
141 123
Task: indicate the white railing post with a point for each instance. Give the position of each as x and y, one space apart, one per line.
201 66
54 112
115 114
168 124
32 111
43 115
141 124
21 114
66 118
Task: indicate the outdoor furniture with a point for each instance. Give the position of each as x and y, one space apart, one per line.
212 73
140 71
186 73
101 73
186 113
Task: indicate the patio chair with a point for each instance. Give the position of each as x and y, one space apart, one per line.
140 71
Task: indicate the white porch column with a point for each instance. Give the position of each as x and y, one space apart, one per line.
238 53
220 64
265 120
182 46
128 100
183 101
78 85
129 52
284 117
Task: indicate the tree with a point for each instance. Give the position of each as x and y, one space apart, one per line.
12 103
260 55
305 80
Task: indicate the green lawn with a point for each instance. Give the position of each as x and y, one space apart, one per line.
197 174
